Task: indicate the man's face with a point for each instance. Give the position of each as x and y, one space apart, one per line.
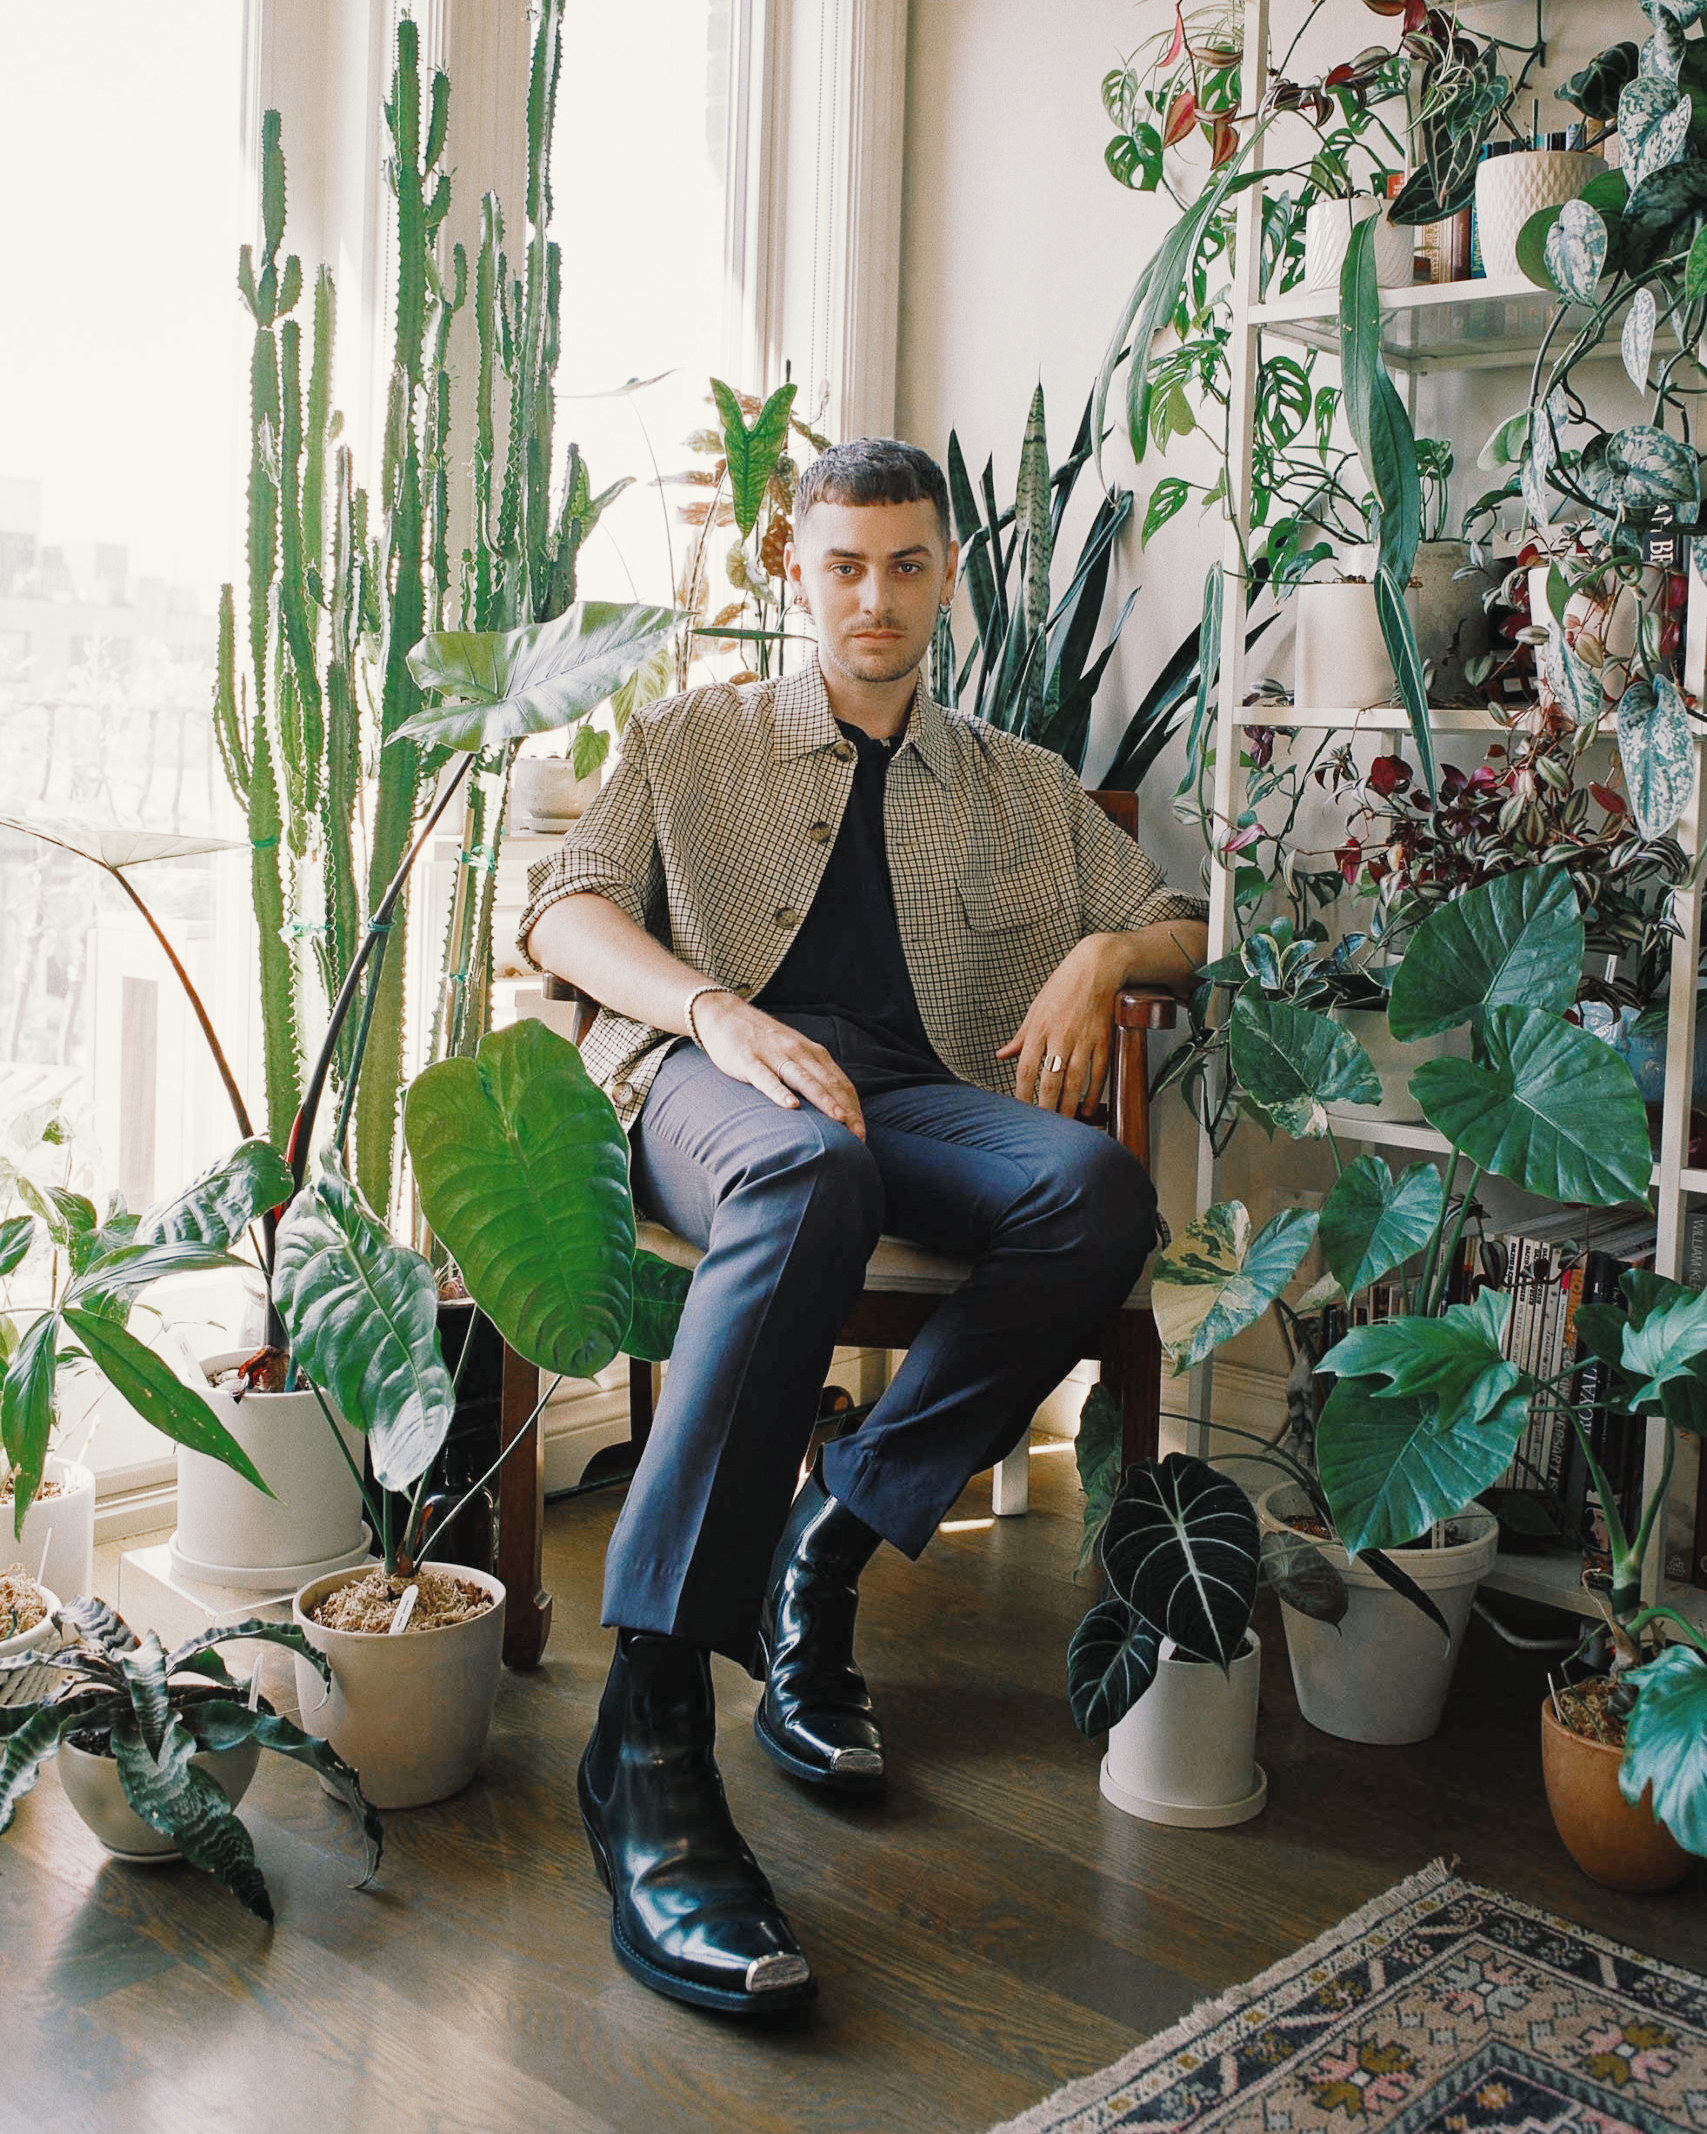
873 576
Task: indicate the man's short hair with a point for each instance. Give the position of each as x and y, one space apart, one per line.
873 470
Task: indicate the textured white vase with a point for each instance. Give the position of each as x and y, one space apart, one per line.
229 1534
1327 234
1340 654
92 1787
1186 1752
1382 1674
1509 189
411 1713
57 1545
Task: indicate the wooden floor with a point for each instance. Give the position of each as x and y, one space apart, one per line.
991 1930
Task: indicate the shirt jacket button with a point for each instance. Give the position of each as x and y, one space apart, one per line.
622 1092
844 751
819 833
786 915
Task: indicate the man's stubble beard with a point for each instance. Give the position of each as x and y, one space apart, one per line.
874 666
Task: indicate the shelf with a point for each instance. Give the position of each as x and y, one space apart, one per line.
1375 718
1689 1181
1556 1579
1352 1124
1475 325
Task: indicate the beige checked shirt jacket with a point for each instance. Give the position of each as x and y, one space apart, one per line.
714 829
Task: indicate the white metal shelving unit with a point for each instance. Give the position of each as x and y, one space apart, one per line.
1455 326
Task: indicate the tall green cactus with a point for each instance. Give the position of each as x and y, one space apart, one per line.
340 590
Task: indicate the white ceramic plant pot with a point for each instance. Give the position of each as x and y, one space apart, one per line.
1340 654
1186 1752
30 1683
1382 1674
57 1545
411 1713
544 791
1509 189
92 1787
1394 1064
1327 236
229 1534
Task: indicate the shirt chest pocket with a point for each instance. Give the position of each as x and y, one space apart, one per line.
1013 900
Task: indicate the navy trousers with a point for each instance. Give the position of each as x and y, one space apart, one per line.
1057 1216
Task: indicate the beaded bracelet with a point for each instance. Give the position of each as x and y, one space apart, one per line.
696 996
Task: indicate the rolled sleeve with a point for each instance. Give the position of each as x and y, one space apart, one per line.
611 852
1121 888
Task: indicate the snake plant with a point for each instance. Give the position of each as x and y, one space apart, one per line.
154 1712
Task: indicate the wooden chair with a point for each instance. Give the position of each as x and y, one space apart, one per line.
904 1283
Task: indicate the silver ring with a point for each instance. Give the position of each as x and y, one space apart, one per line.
1056 1063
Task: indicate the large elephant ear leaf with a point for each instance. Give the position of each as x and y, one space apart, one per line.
223 1201
1516 941
1372 1222
1665 1744
1111 1662
523 1173
1549 1107
1215 1279
1182 1547
1390 1469
534 680
362 1314
1291 1062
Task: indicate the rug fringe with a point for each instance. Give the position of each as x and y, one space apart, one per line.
1046 2118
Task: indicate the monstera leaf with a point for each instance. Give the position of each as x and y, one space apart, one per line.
1372 1222
1516 941
523 1172
534 680
1183 1549
1665 1744
1111 1662
1391 1467
362 1314
1551 1108
223 1201
1292 1062
1215 1279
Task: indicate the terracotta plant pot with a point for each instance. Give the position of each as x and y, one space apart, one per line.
1613 1843
92 1787
411 1713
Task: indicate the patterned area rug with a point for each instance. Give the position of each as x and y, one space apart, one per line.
1438 2006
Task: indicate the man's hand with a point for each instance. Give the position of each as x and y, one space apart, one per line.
751 1046
1062 1046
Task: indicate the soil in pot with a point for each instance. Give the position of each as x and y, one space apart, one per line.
23 1604
1620 1846
370 1603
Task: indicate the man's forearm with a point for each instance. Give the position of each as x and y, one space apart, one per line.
598 947
1167 954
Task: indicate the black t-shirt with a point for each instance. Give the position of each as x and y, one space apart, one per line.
847 958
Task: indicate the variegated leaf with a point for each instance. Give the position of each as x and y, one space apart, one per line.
1576 688
1653 124
1654 749
1536 500
1215 1279
1662 56
1636 342
1649 466
1576 250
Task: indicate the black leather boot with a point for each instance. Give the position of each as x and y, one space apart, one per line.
692 1915
815 1717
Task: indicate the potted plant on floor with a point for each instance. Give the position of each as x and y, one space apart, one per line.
156 1748
1167 1663
1426 1409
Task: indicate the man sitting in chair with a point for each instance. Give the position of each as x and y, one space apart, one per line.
857 958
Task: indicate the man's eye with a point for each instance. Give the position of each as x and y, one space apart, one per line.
910 570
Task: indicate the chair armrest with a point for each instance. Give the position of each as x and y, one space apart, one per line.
1145 1008
560 989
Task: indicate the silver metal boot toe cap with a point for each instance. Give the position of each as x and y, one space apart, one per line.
769 1974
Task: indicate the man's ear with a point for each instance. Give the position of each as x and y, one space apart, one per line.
950 574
